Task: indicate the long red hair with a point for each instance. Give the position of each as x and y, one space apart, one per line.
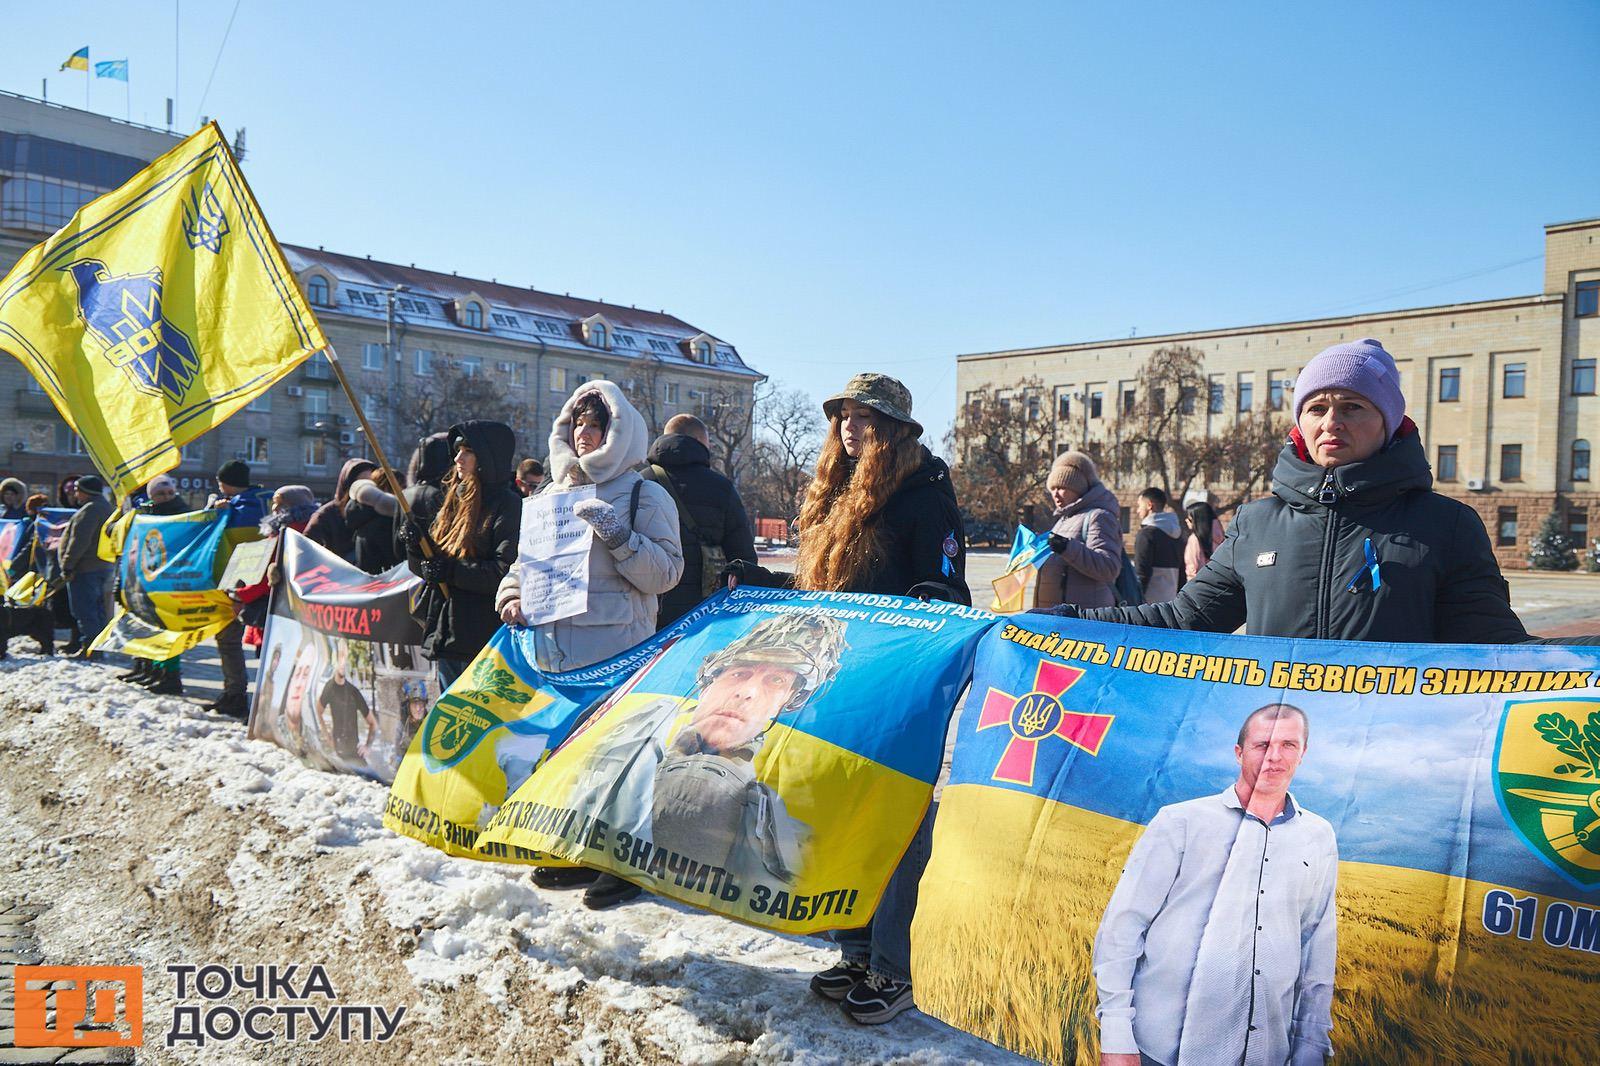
842 517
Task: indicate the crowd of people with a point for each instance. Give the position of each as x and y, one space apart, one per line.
1351 544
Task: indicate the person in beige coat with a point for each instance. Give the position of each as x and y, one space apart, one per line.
599 439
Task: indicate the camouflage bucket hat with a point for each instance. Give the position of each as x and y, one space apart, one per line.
880 392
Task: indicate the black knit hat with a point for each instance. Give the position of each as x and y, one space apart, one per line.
236 472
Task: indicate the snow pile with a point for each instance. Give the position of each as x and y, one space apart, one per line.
650 981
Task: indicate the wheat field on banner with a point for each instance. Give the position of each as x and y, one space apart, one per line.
1009 907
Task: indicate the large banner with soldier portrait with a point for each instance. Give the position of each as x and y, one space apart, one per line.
1177 848
342 680
770 763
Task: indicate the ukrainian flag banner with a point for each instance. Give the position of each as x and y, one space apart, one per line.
158 311
490 730
1204 848
771 764
168 581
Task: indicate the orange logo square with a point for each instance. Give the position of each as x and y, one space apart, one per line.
89 1006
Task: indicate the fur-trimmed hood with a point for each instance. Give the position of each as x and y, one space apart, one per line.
624 448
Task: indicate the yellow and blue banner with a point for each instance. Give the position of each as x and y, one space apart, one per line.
1206 848
493 727
78 60
162 308
770 764
168 585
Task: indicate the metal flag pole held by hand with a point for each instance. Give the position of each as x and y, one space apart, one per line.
426 543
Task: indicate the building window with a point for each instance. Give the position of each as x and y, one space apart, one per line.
1096 404
1506 528
472 315
315 454
262 402
1588 301
372 356
317 290
1449 384
1510 462
1217 401
597 334
470 365
1514 385
424 366
1583 377
1247 394
1580 460
1447 462
255 450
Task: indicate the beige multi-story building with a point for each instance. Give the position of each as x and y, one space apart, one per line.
1503 391
403 334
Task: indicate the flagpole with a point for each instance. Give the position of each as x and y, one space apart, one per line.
425 545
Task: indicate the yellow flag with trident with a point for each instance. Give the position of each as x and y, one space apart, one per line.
161 309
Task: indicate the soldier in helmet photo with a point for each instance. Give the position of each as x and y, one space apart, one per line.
695 792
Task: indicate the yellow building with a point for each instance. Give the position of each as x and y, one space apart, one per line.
1503 391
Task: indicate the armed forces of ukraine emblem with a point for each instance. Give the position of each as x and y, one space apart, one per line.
1548 781
123 315
1036 716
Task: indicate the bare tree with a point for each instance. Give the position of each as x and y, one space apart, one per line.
1169 437
1002 443
784 453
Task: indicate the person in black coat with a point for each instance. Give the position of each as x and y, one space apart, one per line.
1353 543
470 544
716 516
370 518
328 526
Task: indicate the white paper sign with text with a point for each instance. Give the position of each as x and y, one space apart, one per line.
554 556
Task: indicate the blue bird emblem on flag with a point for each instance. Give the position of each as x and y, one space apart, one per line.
123 314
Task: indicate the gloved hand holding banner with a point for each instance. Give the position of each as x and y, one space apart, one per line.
1202 848
771 765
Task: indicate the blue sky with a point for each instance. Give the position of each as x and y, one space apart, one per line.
836 187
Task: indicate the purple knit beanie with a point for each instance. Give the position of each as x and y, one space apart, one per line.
1362 367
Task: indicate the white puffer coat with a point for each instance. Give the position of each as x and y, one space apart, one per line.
625 582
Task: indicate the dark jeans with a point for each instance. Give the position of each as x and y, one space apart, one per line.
230 647
90 598
884 943
447 670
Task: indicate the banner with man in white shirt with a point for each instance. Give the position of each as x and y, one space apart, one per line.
1160 847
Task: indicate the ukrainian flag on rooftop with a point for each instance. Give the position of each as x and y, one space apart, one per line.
161 309
78 60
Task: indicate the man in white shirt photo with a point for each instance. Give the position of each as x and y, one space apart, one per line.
1219 943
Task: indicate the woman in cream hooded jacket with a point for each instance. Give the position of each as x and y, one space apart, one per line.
625 580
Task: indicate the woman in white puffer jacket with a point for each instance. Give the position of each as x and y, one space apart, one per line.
600 439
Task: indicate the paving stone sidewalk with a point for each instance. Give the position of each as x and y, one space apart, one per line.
20 947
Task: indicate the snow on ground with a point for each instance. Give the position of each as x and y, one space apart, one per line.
159 835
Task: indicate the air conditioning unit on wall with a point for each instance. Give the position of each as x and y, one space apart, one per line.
1476 484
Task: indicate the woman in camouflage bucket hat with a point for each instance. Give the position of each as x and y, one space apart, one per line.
880 516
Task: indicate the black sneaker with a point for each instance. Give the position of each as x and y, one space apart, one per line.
877 999
837 980
564 876
608 890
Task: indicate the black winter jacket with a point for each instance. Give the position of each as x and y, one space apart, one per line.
459 626
924 544
716 508
1295 564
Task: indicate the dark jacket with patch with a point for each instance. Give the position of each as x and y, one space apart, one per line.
1295 564
458 626
718 513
